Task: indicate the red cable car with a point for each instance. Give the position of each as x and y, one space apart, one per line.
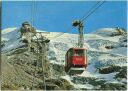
76 60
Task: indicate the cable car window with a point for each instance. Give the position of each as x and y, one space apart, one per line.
79 52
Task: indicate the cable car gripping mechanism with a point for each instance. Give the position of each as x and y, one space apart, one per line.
81 32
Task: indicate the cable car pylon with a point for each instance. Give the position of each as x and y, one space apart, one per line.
76 58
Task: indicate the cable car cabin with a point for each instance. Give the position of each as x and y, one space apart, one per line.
76 60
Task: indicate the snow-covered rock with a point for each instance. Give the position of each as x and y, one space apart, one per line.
104 52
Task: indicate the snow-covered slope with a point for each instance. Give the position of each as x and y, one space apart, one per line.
104 51
10 39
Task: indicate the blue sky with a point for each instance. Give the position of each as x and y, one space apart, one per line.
53 16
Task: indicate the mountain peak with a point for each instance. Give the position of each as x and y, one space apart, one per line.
110 31
8 30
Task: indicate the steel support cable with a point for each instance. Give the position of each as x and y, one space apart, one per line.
93 10
90 11
39 45
33 12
